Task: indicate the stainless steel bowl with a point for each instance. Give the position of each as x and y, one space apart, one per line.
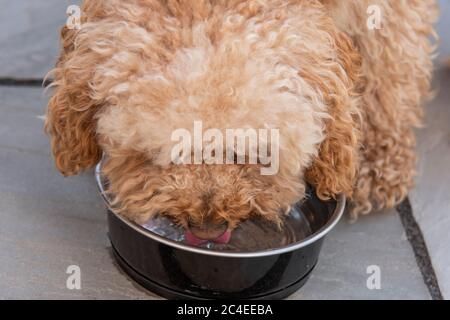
177 270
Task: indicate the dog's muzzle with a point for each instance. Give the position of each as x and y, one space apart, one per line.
208 233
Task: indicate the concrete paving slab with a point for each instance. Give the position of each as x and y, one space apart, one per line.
29 36
375 240
40 239
443 29
430 198
50 222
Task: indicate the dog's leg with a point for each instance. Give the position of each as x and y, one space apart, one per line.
396 70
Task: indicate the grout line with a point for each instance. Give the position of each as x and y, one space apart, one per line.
415 237
24 82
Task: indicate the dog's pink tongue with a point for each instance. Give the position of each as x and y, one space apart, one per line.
192 240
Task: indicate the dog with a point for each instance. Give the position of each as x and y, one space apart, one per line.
346 99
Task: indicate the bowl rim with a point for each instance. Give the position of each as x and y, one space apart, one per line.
319 234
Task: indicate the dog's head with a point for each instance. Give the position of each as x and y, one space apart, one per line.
126 90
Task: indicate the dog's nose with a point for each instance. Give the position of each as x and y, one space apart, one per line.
208 232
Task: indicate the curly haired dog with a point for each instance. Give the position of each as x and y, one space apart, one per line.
345 98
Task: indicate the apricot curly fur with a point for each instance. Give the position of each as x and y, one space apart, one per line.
345 99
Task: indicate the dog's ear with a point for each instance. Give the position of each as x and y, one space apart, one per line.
335 168
70 114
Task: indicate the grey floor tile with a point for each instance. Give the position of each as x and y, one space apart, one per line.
374 240
40 239
29 36
430 198
443 29
49 222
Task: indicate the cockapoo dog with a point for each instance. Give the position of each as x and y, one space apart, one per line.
345 98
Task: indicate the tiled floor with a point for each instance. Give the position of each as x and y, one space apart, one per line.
431 197
50 222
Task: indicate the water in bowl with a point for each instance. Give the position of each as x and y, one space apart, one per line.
251 235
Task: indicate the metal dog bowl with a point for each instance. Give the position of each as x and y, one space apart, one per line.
173 269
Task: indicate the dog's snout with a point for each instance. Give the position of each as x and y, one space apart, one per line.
208 231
